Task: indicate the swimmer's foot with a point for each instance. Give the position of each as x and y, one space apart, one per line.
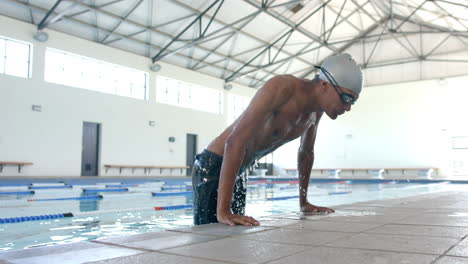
310 208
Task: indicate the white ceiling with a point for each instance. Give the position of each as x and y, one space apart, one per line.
249 41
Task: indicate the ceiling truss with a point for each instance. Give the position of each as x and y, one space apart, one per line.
207 42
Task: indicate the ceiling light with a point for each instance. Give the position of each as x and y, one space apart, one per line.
41 36
155 67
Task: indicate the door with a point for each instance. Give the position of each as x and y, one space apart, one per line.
90 149
191 151
460 155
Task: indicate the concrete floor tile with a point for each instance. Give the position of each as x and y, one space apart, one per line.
159 240
305 217
416 230
320 225
440 219
452 260
460 250
221 229
46 250
320 255
238 250
368 218
277 222
78 256
156 257
295 236
384 209
447 210
411 244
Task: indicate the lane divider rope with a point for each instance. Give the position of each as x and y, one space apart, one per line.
90 197
282 198
106 190
171 193
49 187
18 193
56 216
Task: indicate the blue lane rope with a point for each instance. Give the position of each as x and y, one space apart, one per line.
176 188
90 197
336 193
49 187
33 218
18 193
171 193
288 187
106 190
120 185
173 207
14 184
56 216
282 198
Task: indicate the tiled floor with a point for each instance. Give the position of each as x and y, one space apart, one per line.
429 228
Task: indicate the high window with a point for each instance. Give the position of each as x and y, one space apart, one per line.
78 71
188 95
236 106
15 58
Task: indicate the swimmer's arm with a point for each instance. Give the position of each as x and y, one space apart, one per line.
305 159
275 92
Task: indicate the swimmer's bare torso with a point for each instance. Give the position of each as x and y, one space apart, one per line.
284 109
280 125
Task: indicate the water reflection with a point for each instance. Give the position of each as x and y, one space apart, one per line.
89 204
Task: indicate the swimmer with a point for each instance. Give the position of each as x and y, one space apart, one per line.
284 109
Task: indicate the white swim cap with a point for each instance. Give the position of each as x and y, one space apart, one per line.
344 70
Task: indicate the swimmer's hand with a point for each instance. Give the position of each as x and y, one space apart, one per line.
233 219
307 207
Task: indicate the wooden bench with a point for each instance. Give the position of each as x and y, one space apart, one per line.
427 172
146 168
13 163
332 172
378 172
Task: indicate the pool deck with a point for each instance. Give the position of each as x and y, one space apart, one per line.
426 228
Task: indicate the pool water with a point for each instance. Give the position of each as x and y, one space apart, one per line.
131 212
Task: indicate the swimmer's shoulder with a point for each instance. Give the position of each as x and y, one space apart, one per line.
285 83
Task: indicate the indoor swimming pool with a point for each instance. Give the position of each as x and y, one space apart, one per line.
38 213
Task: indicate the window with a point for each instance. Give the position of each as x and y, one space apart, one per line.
78 71
15 58
236 106
188 95
460 142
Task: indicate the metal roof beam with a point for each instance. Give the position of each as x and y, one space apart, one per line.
354 40
436 27
143 26
122 19
95 7
292 25
304 49
336 20
408 17
40 9
239 29
203 38
283 38
43 22
452 3
151 27
199 18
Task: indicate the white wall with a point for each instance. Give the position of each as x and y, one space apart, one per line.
52 139
393 126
